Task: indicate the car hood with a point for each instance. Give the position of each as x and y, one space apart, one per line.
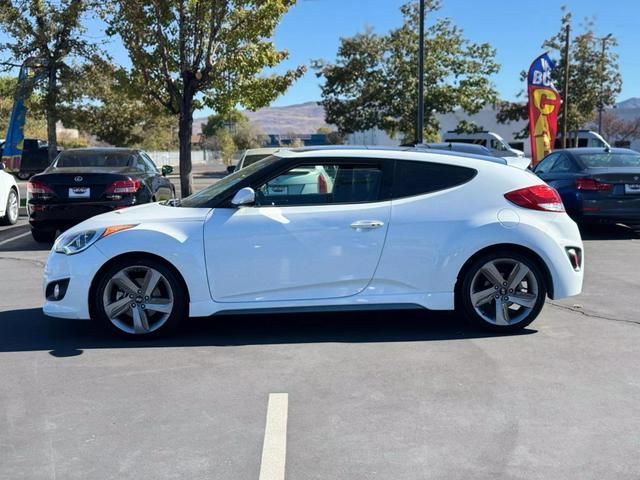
147 213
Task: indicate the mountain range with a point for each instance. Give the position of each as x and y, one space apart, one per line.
305 118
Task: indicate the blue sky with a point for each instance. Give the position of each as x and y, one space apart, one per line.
312 29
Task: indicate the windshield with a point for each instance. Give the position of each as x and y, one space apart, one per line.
204 197
610 159
94 159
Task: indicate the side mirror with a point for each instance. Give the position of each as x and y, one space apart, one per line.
231 168
166 170
244 196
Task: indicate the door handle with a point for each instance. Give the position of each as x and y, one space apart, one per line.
367 224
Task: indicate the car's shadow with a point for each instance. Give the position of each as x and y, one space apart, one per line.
609 232
31 330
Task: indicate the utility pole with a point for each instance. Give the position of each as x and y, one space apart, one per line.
420 116
565 88
602 72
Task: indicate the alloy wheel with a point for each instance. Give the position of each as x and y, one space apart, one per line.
138 300
13 207
504 291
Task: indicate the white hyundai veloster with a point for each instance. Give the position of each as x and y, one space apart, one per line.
391 229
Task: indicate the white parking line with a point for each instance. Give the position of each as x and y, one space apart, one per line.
274 449
9 240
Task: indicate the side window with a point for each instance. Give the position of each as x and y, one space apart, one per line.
322 184
547 163
150 166
418 177
563 164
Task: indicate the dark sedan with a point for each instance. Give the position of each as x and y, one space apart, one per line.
82 183
596 185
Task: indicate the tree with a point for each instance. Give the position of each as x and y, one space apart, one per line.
51 32
35 125
239 127
592 77
333 137
187 54
373 82
616 129
105 104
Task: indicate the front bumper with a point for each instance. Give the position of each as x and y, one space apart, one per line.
80 269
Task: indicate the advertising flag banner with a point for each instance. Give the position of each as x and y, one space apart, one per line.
544 105
14 140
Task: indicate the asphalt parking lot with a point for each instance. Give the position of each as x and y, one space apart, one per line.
391 395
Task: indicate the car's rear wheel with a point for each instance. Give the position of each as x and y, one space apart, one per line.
43 236
12 209
503 291
142 298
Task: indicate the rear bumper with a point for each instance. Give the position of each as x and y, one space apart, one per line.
594 207
65 215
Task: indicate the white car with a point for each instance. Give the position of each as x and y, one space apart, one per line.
396 228
253 155
9 198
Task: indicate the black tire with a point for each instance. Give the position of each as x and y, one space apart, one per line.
179 296
43 236
502 260
9 218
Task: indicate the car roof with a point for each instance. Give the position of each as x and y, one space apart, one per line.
385 152
265 150
588 150
392 153
102 150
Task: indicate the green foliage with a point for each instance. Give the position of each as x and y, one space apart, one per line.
218 121
223 142
187 54
333 137
373 82
36 125
51 32
107 106
593 78
234 125
466 126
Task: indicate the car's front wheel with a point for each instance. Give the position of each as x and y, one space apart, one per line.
141 298
503 291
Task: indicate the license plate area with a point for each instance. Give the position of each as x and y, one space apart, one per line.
79 192
632 188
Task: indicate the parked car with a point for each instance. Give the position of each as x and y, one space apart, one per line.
252 156
35 157
396 228
491 140
596 184
9 198
85 182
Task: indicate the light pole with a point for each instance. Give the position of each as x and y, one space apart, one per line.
602 73
420 115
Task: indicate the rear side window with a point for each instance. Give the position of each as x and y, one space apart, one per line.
417 178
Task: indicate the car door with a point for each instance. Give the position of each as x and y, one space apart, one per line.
316 231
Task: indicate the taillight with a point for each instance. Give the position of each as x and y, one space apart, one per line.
322 185
589 184
39 190
120 187
537 197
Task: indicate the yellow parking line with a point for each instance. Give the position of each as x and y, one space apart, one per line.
274 449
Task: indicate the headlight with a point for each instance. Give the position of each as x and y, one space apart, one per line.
76 242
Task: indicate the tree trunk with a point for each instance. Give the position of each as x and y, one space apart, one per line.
184 136
51 98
